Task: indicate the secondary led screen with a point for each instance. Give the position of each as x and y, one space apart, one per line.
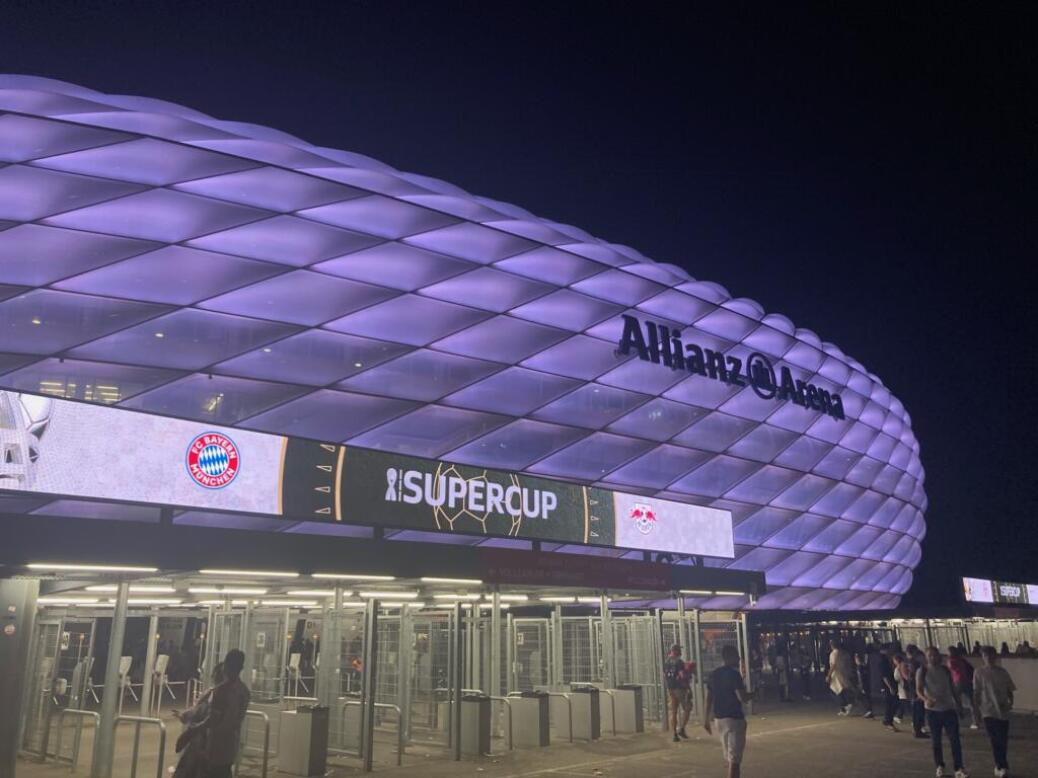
984 591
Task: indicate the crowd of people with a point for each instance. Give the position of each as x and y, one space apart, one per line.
935 692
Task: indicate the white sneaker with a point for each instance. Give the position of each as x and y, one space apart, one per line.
1000 772
974 726
961 774
940 772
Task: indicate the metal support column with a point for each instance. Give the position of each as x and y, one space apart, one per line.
744 665
367 715
405 668
457 671
148 674
556 678
698 659
18 604
513 684
609 668
658 655
495 644
104 738
329 668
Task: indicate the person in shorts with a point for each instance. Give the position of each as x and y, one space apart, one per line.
676 672
725 696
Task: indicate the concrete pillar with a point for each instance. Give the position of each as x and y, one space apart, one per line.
18 614
104 739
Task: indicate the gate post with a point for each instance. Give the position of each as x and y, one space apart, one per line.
698 659
457 670
557 659
609 674
495 643
367 717
148 674
744 630
104 742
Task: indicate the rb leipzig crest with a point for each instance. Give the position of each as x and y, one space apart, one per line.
644 517
212 460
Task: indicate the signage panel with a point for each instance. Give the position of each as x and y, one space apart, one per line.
64 448
988 592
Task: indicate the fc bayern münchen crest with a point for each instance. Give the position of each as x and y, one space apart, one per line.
212 460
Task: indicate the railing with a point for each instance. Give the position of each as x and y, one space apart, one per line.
258 714
569 710
308 700
612 704
138 720
399 724
508 707
61 729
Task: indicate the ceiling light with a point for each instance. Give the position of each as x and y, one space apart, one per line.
557 599
65 600
487 605
352 577
92 568
719 593
592 600
291 603
389 595
252 573
153 601
508 597
134 589
226 590
455 596
409 604
459 581
221 602
315 593
697 592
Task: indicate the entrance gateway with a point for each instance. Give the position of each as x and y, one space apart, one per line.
393 627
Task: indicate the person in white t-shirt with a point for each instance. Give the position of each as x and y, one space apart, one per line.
993 697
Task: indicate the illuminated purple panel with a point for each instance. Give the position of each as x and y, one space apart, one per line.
758 559
28 193
239 521
89 381
377 215
271 188
803 453
186 339
793 417
864 472
641 377
515 391
870 579
463 207
880 448
23 138
532 229
314 357
856 544
396 265
726 324
798 532
598 252
551 265
804 493
285 239
864 507
567 309
34 255
9 362
83 509
158 214
768 341
804 356
147 161
701 391
591 406
832 536
837 463
657 419
487 288
747 405
421 375
502 339
593 457
659 467
837 500
676 306
792 567
174 274
763 485
442 538
618 287
409 319
882 546
45 322
220 399
517 445
905 519
762 525
577 357
275 152
885 514
429 431
822 572
472 242
329 415
330 530
299 297
715 432
887 480
715 477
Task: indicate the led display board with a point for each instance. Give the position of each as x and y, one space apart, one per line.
58 447
983 591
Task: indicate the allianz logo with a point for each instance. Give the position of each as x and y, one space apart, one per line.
477 495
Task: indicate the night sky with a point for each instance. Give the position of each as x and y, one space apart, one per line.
869 171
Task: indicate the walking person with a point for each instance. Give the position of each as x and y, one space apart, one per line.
726 694
934 686
192 763
841 677
993 695
678 677
221 727
915 663
863 663
883 676
962 679
782 674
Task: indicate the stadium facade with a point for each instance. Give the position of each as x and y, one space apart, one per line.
161 266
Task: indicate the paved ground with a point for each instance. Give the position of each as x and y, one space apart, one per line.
791 741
